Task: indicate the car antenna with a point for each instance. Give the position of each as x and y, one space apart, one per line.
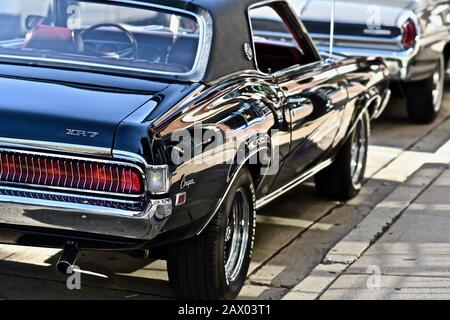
332 20
304 7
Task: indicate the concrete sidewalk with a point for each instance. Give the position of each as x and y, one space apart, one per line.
411 260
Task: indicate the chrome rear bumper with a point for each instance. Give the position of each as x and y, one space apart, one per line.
76 213
398 62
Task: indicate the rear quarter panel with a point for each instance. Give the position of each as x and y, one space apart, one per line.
235 108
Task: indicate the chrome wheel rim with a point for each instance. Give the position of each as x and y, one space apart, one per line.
359 153
237 235
438 88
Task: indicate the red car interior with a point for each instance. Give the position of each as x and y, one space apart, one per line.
50 38
275 56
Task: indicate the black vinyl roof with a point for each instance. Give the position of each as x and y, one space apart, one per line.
230 31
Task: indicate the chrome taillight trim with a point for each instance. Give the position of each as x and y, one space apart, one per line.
133 157
47 146
82 159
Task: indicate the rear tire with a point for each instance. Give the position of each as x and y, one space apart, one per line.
214 265
344 178
424 98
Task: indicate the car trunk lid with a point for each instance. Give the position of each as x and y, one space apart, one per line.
62 113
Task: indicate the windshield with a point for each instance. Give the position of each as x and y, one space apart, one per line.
98 35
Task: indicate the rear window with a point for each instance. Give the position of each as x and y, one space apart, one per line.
99 35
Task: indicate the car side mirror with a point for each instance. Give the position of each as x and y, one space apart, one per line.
33 21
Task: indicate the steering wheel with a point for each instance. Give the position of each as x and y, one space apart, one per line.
129 52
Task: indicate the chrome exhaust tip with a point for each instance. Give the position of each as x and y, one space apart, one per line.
68 258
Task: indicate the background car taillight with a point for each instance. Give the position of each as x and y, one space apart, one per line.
70 174
409 34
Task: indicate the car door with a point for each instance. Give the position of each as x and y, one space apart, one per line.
315 98
314 93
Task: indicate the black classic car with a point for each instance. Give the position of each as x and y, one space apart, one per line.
413 36
155 126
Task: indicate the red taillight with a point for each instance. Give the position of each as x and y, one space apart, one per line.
409 34
79 175
130 180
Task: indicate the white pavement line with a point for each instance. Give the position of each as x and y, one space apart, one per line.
296 223
349 249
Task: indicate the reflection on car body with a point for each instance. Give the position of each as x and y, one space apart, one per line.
187 146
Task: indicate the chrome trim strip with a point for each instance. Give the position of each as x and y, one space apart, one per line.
55 147
63 194
391 41
66 157
129 156
289 186
202 46
373 52
71 207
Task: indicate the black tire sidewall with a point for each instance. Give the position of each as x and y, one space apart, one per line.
245 182
421 108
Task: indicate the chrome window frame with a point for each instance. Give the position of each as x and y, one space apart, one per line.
196 73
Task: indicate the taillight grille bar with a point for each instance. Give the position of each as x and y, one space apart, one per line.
71 174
